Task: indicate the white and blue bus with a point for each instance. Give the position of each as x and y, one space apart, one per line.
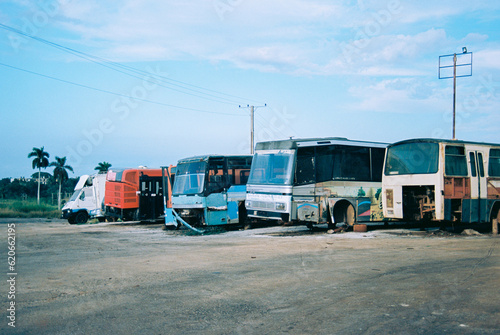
442 180
314 181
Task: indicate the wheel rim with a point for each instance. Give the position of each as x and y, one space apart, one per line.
81 218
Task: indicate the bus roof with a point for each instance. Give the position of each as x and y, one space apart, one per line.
308 142
436 140
207 157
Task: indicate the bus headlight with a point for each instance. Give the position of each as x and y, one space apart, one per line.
248 204
280 206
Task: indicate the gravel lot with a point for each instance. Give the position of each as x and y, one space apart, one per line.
112 278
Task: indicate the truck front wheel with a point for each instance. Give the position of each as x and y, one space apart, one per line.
81 217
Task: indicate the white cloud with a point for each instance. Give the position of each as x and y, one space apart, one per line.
487 59
400 95
357 37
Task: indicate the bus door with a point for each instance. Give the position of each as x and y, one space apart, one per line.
477 211
216 192
150 197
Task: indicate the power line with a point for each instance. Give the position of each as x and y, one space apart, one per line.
131 71
113 93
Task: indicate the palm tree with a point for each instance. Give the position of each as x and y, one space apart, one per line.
40 161
60 174
103 167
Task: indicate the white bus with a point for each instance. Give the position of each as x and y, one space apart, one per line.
319 180
442 180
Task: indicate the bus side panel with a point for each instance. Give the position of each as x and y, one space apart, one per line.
232 212
448 215
236 195
485 210
308 211
364 209
475 210
468 211
216 209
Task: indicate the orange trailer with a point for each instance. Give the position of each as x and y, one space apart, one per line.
136 194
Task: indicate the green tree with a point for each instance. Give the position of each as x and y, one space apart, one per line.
103 167
60 174
40 161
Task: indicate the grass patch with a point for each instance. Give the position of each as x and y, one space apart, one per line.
27 209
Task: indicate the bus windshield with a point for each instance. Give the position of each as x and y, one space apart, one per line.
272 168
412 158
190 178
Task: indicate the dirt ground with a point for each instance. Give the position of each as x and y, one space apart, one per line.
112 278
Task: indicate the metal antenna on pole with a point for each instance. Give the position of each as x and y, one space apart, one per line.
252 110
444 68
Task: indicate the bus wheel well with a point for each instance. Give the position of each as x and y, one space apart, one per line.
495 211
242 213
344 212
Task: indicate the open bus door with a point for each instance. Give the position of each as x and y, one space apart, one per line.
476 209
168 176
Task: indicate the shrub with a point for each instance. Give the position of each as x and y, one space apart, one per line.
27 209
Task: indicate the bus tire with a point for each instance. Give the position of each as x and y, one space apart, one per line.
81 217
344 213
350 215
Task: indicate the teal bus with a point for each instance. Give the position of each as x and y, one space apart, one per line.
210 190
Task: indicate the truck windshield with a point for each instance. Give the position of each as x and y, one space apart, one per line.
190 178
75 195
272 168
412 158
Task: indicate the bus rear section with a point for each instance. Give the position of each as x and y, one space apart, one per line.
210 190
429 180
134 194
316 181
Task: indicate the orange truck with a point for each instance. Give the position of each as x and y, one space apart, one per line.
137 194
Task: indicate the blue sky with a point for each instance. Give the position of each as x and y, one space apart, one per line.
361 69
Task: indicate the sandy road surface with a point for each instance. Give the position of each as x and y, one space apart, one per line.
138 279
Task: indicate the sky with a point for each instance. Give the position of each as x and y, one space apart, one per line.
146 83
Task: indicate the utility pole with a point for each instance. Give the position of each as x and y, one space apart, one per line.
252 110
454 92
466 64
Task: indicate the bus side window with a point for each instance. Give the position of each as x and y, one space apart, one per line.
354 163
244 174
480 164
238 170
305 172
494 163
472 158
455 161
232 177
377 163
324 163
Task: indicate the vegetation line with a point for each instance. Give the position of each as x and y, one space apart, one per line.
27 209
